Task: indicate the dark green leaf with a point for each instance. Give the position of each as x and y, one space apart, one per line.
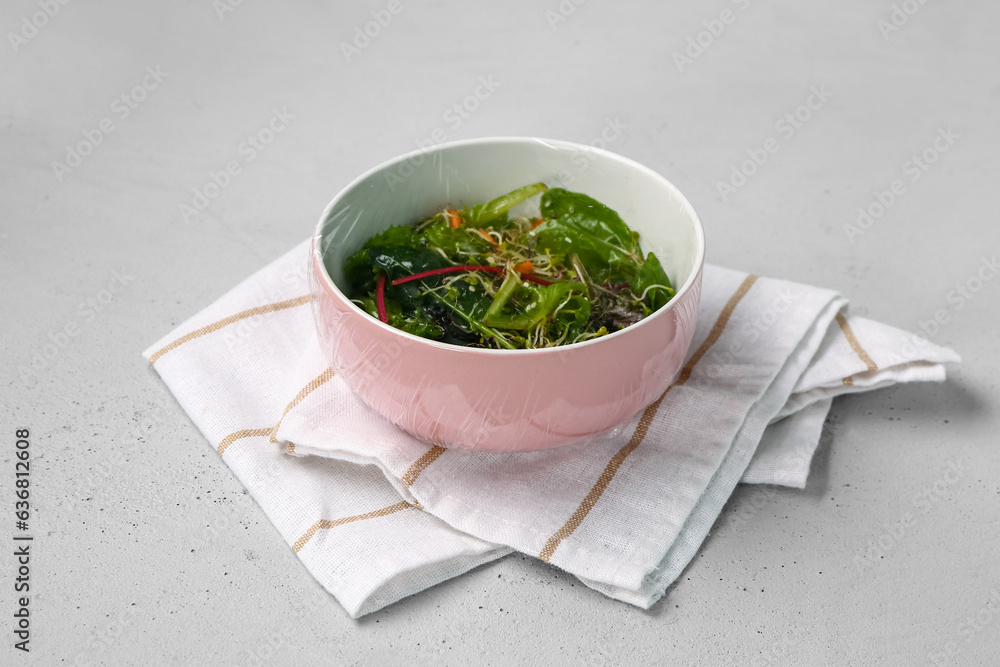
577 223
396 261
401 261
653 278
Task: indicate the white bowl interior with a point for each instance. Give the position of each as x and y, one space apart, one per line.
466 173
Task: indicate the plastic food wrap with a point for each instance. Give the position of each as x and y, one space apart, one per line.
505 400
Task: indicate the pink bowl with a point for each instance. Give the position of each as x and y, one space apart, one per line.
506 400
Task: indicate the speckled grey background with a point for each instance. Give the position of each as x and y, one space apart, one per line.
146 548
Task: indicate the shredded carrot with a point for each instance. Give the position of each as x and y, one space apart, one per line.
454 221
524 267
486 235
537 222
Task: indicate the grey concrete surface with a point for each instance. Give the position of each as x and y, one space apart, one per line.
147 550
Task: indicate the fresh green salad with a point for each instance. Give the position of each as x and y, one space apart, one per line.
480 278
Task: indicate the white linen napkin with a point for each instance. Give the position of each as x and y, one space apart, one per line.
376 515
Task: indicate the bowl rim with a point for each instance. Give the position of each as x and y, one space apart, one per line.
689 284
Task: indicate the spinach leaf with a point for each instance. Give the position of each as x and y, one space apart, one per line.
577 223
396 261
401 261
359 268
652 277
